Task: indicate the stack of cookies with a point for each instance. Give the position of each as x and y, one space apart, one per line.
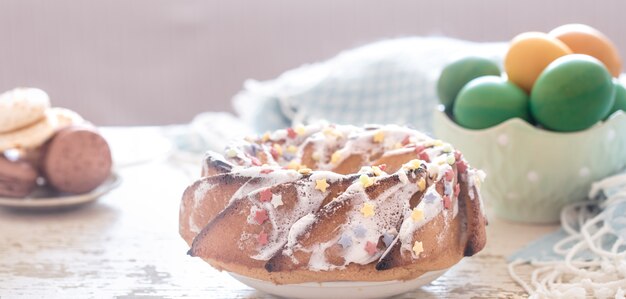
55 147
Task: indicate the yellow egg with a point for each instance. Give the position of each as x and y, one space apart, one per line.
583 39
530 53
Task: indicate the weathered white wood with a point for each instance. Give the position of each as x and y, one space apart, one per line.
127 245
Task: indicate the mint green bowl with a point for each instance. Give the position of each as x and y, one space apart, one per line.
533 173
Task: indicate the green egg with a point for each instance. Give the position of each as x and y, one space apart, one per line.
487 101
572 93
456 74
620 97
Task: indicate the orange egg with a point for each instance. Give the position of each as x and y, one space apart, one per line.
530 53
584 39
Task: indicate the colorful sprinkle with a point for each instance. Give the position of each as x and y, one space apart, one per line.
265 195
418 248
321 185
377 171
417 214
359 231
366 181
451 160
260 216
424 156
265 137
458 156
231 153
450 175
457 189
335 157
345 241
368 209
437 142
398 146
255 161
413 164
421 184
277 200
300 130
447 189
447 148
430 197
262 238
382 167
446 202
292 149
291 133
266 171
370 247
379 137
276 151
293 165
305 170
316 156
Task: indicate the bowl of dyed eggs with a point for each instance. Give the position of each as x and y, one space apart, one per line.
546 128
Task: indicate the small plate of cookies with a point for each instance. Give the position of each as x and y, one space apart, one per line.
49 157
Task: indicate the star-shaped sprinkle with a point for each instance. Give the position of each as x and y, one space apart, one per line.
293 165
449 175
265 137
446 202
418 248
370 247
265 195
321 184
300 130
421 183
368 209
292 149
379 137
305 170
366 181
430 197
277 200
387 239
231 153
291 133
413 164
417 214
260 216
266 171
359 231
262 238
345 241
335 157
377 171
451 160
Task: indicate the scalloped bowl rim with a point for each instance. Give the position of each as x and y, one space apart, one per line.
518 123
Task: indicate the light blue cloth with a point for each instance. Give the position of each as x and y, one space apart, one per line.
391 81
613 187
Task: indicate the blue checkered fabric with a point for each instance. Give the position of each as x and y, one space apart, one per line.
390 81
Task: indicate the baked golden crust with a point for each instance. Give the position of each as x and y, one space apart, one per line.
269 216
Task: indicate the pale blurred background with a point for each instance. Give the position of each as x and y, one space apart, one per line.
162 62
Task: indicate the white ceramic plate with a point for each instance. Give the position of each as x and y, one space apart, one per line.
46 199
340 289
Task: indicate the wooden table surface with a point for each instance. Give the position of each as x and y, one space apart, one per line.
127 245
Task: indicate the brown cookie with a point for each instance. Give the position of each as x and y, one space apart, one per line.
17 178
76 160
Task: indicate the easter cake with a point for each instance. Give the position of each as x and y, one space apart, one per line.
335 203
